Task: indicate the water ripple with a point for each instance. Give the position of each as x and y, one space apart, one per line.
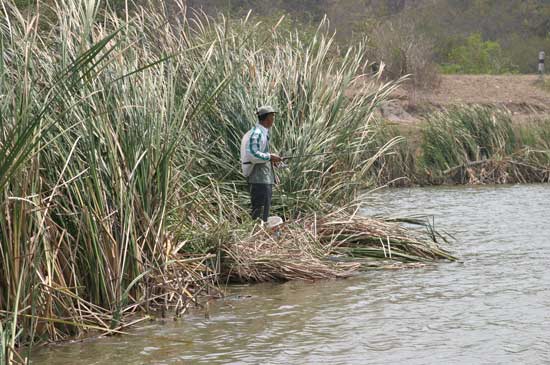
493 307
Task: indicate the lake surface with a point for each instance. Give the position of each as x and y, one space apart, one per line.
492 307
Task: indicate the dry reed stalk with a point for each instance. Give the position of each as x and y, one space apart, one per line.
334 246
293 256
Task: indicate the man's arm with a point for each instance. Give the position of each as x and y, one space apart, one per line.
256 155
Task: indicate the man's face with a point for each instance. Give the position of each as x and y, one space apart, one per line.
268 121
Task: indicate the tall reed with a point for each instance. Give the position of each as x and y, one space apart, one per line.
92 115
466 144
466 134
317 114
119 144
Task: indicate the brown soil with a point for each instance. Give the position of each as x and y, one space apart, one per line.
522 95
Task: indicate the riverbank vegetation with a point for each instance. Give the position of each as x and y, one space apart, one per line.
468 145
119 187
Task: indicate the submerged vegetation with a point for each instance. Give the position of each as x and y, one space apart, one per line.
119 187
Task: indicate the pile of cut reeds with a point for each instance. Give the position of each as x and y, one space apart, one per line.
384 238
335 245
294 255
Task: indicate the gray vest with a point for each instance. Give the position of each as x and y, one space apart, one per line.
262 174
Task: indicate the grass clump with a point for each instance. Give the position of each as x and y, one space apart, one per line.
480 145
464 135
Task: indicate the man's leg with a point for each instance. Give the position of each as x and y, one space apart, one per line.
267 201
257 199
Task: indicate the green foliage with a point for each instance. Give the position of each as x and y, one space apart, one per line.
476 56
117 157
397 167
523 50
466 134
91 119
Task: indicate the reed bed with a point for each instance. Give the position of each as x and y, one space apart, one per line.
119 140
466 145
334 245
309 88
479 145
93 114
463 135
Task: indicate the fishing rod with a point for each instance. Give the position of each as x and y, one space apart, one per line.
336 153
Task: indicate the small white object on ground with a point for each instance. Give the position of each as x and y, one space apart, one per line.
274 221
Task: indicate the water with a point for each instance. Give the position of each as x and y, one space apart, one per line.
493 307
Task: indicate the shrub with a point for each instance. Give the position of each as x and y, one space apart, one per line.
476 56
404 51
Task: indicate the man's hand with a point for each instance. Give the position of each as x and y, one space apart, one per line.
275 158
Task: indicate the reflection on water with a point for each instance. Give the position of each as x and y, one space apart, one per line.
492 307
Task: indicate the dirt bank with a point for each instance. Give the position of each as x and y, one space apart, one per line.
522 95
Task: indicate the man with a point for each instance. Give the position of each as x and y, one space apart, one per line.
256 162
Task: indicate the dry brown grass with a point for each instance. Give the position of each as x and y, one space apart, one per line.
332 246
